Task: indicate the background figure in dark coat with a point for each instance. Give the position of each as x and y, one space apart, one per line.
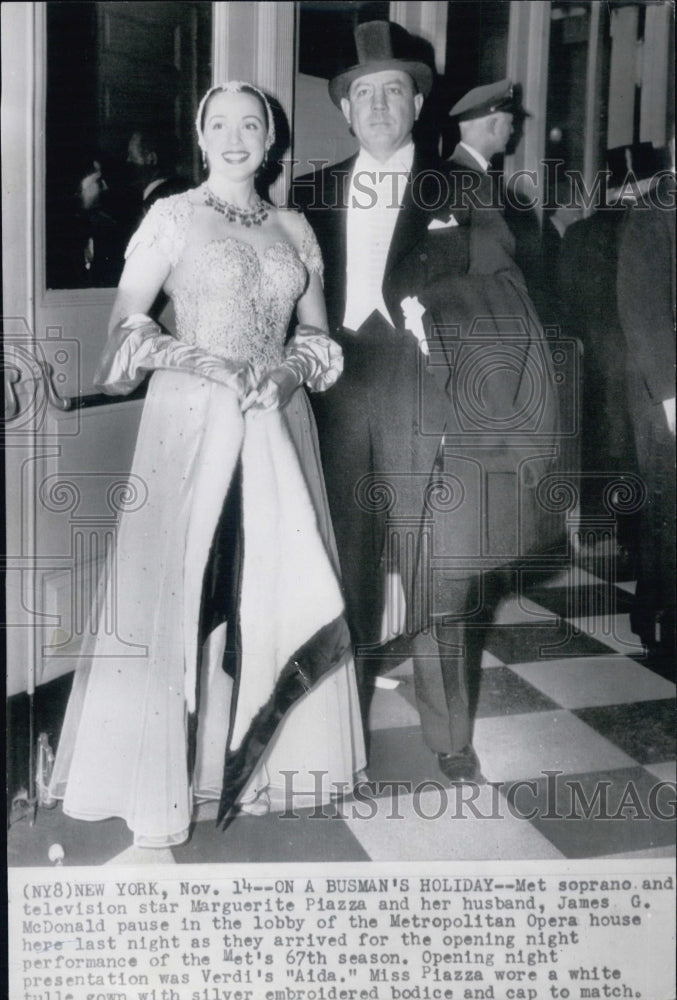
87 234
646 307
588 263
151 162
436 436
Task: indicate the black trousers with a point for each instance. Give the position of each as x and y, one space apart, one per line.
349 419
448 656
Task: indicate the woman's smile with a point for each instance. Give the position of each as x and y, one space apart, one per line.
232 156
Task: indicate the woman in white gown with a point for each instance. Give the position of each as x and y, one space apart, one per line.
275 720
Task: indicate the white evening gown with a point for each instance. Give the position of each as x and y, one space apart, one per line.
123 749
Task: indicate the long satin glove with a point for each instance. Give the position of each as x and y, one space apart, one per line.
138 345
313 357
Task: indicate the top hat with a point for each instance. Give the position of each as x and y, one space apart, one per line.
483 101
381 45
639 160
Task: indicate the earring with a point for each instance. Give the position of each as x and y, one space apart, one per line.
204 159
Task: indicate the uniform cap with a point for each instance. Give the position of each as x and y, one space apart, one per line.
486 100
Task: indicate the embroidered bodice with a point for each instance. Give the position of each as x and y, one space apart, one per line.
230 298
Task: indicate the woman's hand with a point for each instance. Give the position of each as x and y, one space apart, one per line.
273 392
235 375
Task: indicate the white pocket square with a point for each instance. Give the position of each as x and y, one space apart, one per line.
441 224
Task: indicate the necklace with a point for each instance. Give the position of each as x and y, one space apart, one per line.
245 216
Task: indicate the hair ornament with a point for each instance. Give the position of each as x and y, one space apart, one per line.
234 87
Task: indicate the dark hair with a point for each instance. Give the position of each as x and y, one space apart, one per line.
244 89
160 141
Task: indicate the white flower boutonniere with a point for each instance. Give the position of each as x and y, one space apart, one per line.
413 311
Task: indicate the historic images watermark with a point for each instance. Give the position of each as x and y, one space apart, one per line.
550 796
548 189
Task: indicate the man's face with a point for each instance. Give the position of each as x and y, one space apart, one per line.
141 164
135 153
381 109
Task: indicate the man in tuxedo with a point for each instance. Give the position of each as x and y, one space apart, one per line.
436 436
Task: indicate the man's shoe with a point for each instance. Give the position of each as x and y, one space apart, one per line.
463 766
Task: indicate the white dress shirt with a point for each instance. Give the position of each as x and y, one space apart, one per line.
374 199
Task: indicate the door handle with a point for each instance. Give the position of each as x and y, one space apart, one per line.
12 375
59 402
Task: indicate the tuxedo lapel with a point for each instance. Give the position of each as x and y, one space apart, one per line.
412 220
335 186
340 217
333 239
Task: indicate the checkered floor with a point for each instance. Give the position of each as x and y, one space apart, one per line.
575 736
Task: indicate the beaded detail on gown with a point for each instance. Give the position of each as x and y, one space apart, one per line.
230 298
239 303
122 750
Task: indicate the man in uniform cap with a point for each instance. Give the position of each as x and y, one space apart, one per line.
485 119
411 464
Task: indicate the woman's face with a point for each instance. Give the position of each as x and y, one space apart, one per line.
234 134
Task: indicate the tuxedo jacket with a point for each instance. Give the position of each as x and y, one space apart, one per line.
479 409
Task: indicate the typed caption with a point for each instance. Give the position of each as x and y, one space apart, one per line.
235 933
